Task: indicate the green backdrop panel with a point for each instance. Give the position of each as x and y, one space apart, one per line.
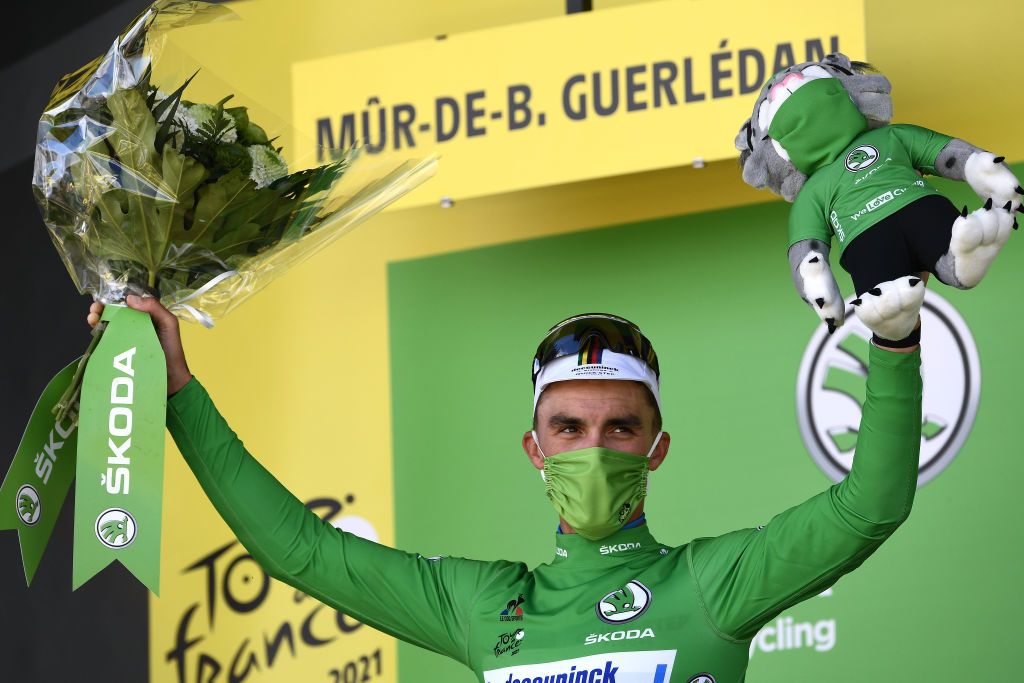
713 292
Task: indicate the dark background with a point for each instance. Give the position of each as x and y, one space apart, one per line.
49 633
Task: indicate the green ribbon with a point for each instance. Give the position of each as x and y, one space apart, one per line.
118 501
40 475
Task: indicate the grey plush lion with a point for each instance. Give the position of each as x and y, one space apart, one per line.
820 136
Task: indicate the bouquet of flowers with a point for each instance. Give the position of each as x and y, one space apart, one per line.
145 190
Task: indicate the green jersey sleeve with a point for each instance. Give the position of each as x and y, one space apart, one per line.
747 577
922 144
807 216
425 601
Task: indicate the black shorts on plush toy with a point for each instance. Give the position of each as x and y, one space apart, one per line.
820 136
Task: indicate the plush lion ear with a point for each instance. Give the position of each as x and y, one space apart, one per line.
791 183
840 60
743 139
872 95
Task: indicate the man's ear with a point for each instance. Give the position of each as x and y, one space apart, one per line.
533 451
660 451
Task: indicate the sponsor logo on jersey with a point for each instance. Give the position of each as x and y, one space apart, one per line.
619 547
831 390
508 643
883 198
837 226
561 552
29 507
703 677
631 634
860 158
651 666
513 610
878 201
867 175
624 604
115 527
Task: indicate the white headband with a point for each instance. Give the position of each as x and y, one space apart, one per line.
609 365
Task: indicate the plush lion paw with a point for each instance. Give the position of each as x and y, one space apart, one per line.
977 239
992 179
821 291
890 310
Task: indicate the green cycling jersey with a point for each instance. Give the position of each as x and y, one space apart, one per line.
872 178
623 609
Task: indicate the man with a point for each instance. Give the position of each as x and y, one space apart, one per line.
614 605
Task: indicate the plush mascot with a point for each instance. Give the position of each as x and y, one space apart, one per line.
820 137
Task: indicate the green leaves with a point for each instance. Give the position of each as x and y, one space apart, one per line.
236 239
173 193
248 132
229 215
215 200
111 236
181 177
314 185
134 136
213 126
139 225
167 109
138 217
154 221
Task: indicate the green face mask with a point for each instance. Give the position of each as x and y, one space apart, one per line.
596 490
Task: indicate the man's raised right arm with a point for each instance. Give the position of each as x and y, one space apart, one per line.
424 602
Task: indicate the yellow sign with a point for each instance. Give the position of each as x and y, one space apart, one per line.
623 90
224 619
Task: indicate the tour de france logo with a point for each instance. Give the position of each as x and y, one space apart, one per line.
115 528
29 507
861 158
831 388
625 603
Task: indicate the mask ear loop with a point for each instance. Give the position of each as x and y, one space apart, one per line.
654 445
537 442
657 440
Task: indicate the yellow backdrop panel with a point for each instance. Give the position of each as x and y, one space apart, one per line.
566 99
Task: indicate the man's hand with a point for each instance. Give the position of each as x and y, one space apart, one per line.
167 332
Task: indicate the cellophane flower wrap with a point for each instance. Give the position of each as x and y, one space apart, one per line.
145 189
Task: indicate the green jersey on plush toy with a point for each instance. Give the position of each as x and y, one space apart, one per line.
820 137
856 176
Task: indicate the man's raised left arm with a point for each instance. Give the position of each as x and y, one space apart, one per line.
749 576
